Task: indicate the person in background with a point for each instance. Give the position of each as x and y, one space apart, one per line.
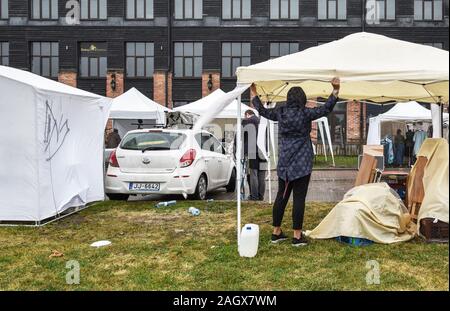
255 175
409 143
113 139
399 146
296 154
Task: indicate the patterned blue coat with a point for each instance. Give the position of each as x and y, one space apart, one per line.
294 141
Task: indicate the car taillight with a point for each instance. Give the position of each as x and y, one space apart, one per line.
188 158
113 159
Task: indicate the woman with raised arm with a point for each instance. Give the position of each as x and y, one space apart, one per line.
295 154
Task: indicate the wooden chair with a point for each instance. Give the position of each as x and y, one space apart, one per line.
367 170
416 191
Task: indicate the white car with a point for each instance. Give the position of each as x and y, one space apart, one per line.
169 161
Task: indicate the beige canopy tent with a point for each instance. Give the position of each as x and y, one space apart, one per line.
371 67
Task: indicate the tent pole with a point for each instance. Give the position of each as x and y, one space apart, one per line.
239 168
441 109
269 165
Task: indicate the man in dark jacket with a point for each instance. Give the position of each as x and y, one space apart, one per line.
257 176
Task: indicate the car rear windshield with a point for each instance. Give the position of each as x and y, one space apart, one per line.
153 141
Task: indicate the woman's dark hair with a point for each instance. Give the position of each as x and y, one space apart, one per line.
296 96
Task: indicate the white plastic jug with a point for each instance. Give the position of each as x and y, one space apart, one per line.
249 240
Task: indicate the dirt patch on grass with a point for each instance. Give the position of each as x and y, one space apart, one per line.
148 217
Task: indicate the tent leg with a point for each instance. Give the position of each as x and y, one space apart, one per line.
441 109
239 169
269 165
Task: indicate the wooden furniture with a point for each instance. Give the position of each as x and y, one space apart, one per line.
416 191
367 172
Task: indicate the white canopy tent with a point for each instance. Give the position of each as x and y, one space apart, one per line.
131 106
401 112
203 106
51 144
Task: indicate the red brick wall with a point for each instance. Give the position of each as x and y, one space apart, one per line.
353 122
68 77
215 79
311 104
119 83
159 88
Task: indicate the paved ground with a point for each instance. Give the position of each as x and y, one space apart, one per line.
325 186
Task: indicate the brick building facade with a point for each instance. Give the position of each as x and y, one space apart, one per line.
176 51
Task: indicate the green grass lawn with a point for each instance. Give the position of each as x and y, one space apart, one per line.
167 249
341 162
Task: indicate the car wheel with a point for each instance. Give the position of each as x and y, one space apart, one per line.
201 189
231 187
117 196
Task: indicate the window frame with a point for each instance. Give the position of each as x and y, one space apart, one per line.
1 10
433 4
135 11
279 11
386 11
6 56
145 76
279 46
233 74
89 18
337 11
40 18
240 11
89 76
41 57
193 57
184 18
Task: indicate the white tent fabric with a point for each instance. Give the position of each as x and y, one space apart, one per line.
371 67
132 105
407 112
51 146
203 106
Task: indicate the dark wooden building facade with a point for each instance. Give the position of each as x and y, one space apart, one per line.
176 51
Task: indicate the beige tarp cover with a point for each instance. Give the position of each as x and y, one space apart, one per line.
372 211
435 180
371 67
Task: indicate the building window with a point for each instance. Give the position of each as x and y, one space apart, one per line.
338 124
188 9
438 45
188 59
93 9
4 53
284 9
332 9
428 10
45 59
44 9
93 60
236 9
382 10
278 49
4 9
179 103
139 9
140 59
234 54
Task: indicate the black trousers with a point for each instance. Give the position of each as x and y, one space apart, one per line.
300 189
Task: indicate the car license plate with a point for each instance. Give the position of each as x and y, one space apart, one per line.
146 187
